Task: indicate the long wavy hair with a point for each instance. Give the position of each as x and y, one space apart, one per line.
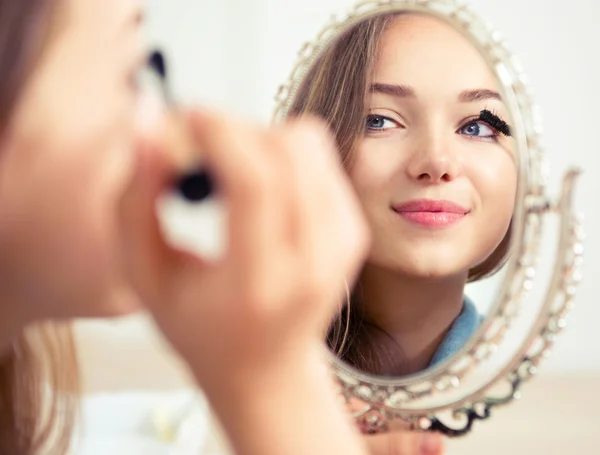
38 371
335 90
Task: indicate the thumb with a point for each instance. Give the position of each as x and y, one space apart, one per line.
405 443
147 260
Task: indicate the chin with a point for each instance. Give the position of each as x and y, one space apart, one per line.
121 302
424 263
110 302
432 274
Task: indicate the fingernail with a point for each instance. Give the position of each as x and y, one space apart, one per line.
431 444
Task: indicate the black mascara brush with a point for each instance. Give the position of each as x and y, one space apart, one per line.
156 61
195 185
495 122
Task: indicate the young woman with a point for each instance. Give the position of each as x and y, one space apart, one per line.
77 228
66 127
420 124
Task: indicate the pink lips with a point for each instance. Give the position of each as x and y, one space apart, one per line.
431 213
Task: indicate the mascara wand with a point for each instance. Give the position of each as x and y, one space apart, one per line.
195 185
495 122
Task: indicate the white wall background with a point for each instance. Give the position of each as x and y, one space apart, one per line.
233 54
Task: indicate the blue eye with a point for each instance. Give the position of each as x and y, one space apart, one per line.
379 123
478 129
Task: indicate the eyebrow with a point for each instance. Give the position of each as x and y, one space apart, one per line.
468 96
399 91
405 91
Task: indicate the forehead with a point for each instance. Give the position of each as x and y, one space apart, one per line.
428 54
95 16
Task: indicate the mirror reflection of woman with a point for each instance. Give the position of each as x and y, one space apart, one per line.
79 178
424 136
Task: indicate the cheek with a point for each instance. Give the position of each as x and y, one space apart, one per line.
88 187
373 170
375 176
61 178
87 220
101 168
496 186
87 139
494 178
62 186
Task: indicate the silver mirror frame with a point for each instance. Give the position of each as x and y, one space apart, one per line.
390 404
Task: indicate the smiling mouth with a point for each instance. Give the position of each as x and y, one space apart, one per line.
431 213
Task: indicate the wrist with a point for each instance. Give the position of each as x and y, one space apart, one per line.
246 380
292 409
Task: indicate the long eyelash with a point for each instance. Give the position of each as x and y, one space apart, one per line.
495 122
370 117
156 61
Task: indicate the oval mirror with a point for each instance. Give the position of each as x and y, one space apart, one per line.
440 140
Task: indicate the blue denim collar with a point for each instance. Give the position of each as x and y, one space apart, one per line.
463 328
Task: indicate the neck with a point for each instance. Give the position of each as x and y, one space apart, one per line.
414 314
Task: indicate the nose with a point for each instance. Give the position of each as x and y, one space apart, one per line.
433 160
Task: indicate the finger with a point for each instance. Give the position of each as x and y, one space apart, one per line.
245 177
282 192
306 144
147 260
432 444
327 224
394 444
290 186
347 220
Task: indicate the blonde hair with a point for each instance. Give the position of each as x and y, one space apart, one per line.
38 371
335 89
39 386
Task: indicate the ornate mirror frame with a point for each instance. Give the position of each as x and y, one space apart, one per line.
390 404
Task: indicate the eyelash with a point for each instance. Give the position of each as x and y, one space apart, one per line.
145 67
371 117
471 121
477 121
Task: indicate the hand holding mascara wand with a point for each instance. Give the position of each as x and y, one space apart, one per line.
190 214
253 319
195 185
